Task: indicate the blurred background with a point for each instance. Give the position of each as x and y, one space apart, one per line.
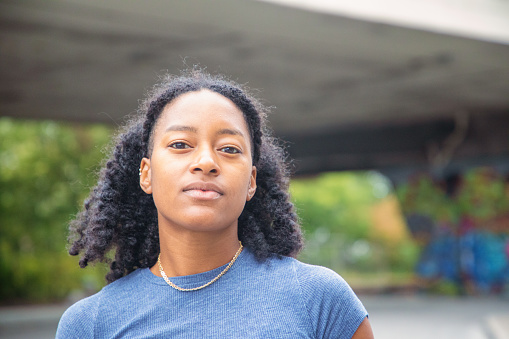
396 116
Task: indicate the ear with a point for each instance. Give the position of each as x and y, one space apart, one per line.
146 176
251 190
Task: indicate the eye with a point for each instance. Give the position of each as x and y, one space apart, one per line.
179 145
230 150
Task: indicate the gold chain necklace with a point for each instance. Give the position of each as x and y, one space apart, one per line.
165 277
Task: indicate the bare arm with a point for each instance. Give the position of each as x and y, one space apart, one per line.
364 331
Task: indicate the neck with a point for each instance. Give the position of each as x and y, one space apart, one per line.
186 253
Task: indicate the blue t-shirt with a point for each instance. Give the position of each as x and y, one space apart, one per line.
278 298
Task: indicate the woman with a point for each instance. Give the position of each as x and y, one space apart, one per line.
194 205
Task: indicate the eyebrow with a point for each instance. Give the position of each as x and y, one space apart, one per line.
183 128
230 131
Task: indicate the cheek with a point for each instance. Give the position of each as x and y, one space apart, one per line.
163 182
243 183
238 204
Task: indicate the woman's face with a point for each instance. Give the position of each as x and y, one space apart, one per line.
200 172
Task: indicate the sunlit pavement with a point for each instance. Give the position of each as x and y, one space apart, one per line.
394 317
419 317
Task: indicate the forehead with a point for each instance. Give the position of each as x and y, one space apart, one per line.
200 109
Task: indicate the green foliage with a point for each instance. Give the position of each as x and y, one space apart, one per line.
422 195
339 202
480 195
444 287
403 256
336 215
47 169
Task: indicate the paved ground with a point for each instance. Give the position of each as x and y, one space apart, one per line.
394 317
438 317
24 322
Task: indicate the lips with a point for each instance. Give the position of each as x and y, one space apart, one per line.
203 190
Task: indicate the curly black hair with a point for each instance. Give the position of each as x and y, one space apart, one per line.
119 217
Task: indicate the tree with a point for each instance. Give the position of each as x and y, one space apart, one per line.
47 169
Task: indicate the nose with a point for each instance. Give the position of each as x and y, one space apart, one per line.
205 162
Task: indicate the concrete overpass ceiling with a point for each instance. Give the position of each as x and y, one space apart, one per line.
325 69
479 19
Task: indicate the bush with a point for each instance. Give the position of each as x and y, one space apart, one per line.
47 169
352 222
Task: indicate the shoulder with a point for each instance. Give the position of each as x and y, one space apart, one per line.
318 279
311 278
78 320
333 307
